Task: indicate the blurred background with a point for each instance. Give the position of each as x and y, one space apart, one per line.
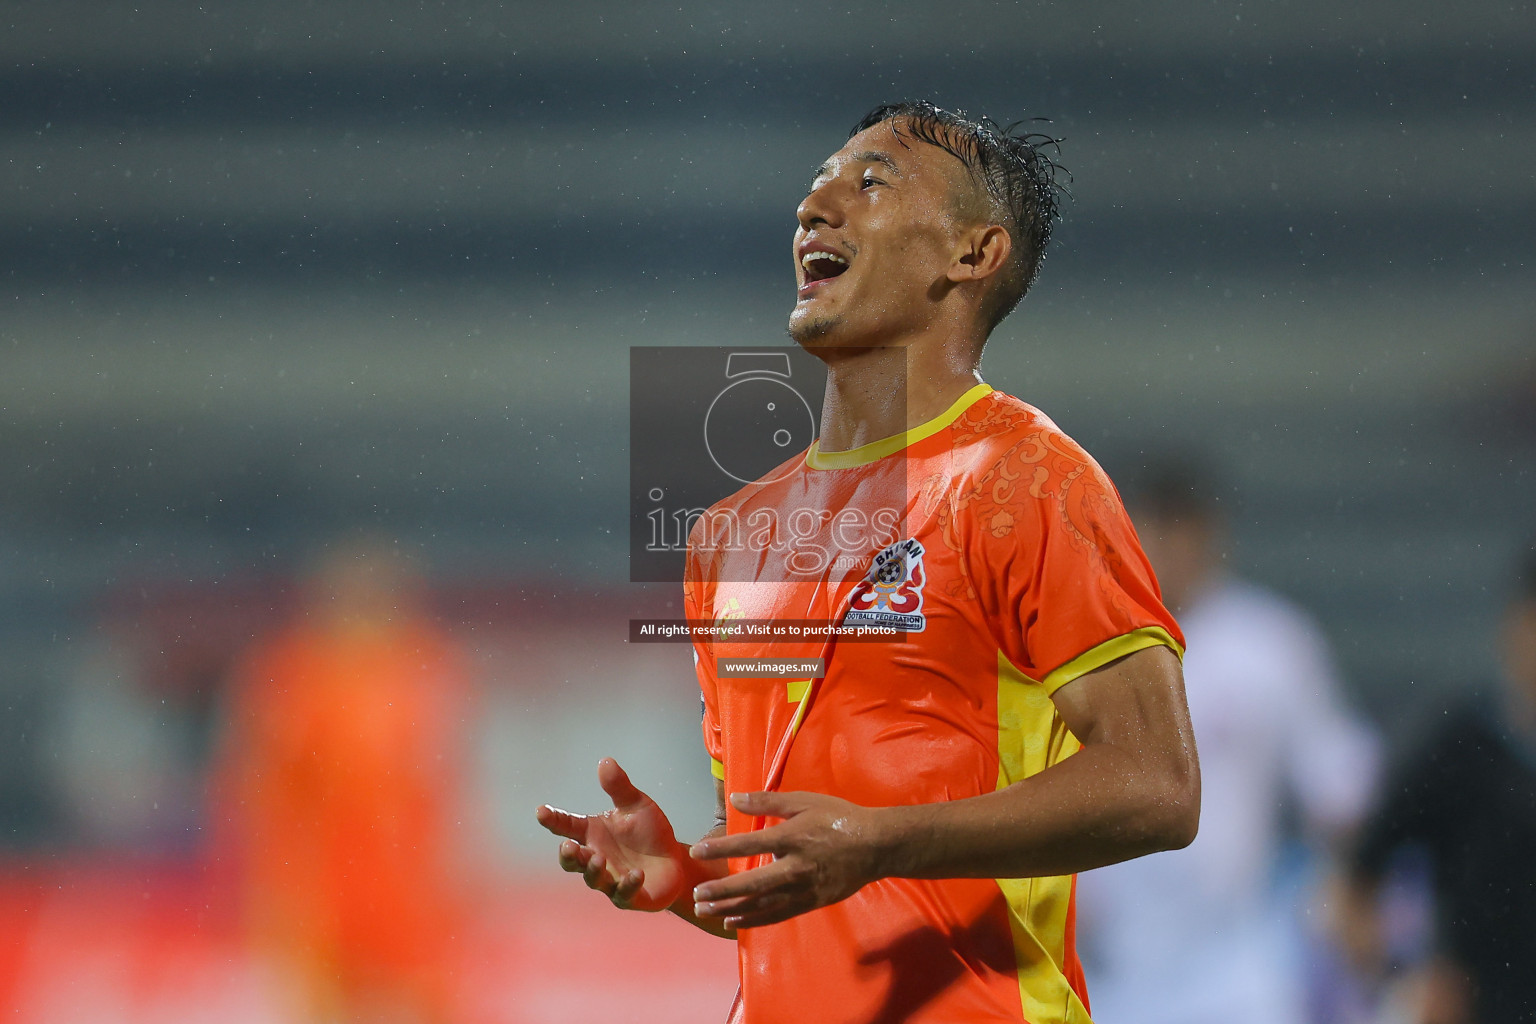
295 286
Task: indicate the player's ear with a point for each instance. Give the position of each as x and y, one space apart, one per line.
982 251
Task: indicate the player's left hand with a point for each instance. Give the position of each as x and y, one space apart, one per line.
824 849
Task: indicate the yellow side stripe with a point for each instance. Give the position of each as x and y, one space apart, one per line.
1031 737
797 690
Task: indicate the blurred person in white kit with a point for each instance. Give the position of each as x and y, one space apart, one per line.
1205 934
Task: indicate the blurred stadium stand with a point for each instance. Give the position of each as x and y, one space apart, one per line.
273 273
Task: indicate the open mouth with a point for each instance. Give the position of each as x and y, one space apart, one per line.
820 265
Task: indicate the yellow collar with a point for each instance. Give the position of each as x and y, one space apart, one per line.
864 454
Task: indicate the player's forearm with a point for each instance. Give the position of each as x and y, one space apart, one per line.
700 871
1132 788
683 908
1095 808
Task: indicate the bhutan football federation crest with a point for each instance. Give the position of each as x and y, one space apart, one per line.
891 593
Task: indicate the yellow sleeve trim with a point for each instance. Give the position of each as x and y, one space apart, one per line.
867 453
717 769
1108 651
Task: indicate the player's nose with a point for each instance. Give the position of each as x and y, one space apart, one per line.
820 206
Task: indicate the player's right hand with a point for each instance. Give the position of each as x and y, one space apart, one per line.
630 853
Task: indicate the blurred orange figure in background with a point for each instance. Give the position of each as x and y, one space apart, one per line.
339 782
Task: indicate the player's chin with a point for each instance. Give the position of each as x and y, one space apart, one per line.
809 330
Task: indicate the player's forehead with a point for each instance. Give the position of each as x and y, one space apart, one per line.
897 152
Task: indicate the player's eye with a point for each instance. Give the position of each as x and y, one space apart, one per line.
870 179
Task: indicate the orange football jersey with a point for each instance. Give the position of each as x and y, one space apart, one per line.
999 558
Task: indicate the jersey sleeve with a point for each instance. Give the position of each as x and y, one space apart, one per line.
697 605
1056 564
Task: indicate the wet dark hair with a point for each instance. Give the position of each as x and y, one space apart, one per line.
1020 179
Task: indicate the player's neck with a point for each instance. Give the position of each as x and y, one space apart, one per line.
884 391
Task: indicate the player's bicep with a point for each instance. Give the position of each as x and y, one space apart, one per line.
1136 704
